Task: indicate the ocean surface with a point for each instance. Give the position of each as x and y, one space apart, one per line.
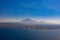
28 34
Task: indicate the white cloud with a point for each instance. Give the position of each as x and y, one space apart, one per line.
51 21
9 20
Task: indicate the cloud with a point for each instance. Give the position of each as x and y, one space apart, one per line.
9 20
51 21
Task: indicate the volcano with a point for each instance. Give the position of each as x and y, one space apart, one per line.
28 20
31 21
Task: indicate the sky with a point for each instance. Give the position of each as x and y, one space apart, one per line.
48 10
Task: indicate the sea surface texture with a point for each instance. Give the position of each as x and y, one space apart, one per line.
28 34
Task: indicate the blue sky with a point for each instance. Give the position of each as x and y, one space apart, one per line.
15 10
29 8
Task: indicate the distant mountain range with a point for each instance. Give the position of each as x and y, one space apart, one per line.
31 22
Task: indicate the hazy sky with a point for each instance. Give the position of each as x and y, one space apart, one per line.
29 9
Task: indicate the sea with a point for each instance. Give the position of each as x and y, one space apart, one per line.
28 34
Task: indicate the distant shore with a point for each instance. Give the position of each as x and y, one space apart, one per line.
36 28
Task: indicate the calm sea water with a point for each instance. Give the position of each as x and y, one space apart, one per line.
25 34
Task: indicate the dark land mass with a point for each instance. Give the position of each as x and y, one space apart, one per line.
28 26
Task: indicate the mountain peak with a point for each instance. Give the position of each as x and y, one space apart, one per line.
28 20
32 22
